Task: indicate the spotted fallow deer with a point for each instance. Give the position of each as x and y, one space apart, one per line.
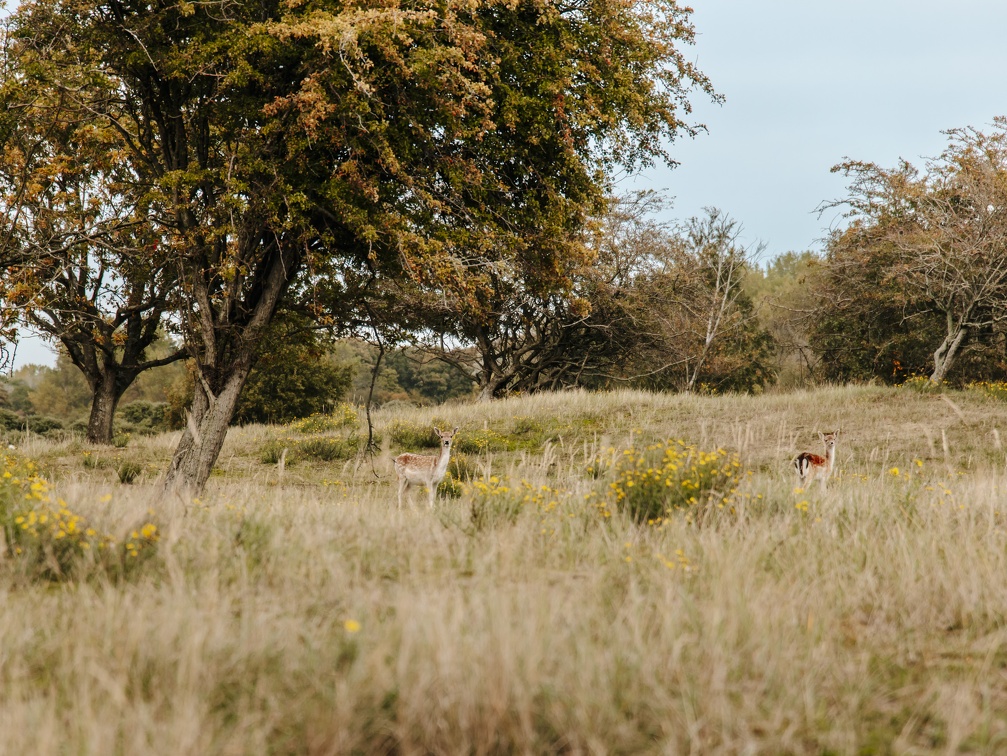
810 466
424 469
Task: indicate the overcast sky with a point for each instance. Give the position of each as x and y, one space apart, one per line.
806 83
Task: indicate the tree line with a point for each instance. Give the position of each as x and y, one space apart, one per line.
232 190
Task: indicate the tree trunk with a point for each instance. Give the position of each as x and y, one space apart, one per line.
946 353
487 391
103 403
205 431
211 414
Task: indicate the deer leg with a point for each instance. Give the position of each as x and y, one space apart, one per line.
403 484
433 493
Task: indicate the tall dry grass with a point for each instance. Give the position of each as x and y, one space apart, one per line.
302 612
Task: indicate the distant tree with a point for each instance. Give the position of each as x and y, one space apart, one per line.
61 392
865 324
946 230
523 340
80 265
785 294
292 377
428 381
702 323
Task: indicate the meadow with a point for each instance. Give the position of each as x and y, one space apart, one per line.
293 608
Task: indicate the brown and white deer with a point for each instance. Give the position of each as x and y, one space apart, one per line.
424 469
810 466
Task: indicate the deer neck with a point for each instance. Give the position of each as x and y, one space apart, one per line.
443 457
830 457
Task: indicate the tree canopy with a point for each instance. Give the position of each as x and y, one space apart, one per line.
284 148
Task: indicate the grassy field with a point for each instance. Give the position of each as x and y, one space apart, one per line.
294 609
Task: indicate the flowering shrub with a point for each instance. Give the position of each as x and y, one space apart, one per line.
994 389
483 440
921 384
343 416
51 541
651 484
450 487
494 502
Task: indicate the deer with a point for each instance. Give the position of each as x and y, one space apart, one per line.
424 469
810 466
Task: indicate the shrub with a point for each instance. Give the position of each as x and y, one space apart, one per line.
120 440
652 484
145 416
129 471
993 389
461 467
10 420
272 452
322 448
449 487
40 424
343 416
327 449
493 502
51 542
921 384
485 440
413 435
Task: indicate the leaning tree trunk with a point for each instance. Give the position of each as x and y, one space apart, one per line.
945 354
214 403
204 434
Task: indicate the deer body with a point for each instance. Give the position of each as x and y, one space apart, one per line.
424 469
810 466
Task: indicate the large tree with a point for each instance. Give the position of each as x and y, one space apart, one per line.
946 229
81 266
329 139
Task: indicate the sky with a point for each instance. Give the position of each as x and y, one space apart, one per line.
810 82
807 83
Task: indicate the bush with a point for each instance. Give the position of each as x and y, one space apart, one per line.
40 424
992 389
343 416
272 452
129 471
494 503
461 467
144 416
652 484
10 420
327 449
321 448
485 440
413 436
449 487
921 384
51 542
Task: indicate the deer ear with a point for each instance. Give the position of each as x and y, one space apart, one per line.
821 435
836 434
455 430
437 430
